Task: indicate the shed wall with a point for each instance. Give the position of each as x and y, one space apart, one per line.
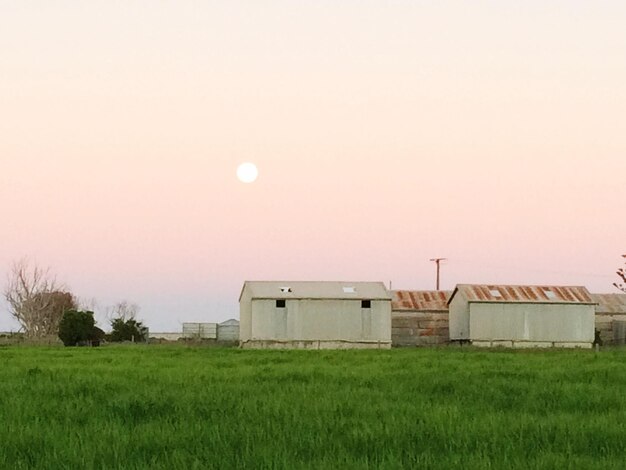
531 322
245 317
459 318
319 320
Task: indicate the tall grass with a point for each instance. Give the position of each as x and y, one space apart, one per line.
178 407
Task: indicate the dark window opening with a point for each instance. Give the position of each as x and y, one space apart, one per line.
366 304
280 303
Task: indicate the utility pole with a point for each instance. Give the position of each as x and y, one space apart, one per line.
437 261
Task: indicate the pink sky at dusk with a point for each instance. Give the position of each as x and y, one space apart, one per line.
386 133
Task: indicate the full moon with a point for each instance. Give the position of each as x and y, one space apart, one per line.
247 172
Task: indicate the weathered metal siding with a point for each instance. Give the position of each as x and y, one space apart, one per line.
610 304
245 317
309 320
551 323
459 318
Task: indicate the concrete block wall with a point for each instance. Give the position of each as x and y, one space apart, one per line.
606 325
419 328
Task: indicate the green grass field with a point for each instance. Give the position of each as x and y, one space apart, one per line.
179 407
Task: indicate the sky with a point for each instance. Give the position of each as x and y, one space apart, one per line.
386 133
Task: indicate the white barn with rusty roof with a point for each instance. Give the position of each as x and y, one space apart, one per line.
314 315
522 316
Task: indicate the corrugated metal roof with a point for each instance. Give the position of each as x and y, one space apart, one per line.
524 294
316 290
610 303
416 300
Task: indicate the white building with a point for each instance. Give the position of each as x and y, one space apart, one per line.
522 316
315 315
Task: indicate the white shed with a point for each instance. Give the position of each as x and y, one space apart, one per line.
522 316
315 315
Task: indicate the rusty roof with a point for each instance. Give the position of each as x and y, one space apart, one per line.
610 303
524 294
415 300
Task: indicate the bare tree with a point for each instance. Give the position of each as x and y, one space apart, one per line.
123 310
621 272
35 299
88 304
124 324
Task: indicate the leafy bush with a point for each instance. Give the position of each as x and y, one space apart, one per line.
98 335
76 327
128 330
